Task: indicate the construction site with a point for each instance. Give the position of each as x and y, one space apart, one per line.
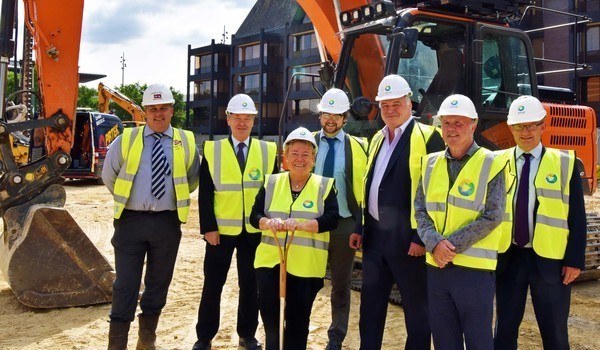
56 255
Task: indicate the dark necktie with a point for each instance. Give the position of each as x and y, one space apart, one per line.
240 155
329 158
160 167
522 205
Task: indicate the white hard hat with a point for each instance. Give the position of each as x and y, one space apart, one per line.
157 94
303 134
392 86
525 109
457 105
241 104
334 101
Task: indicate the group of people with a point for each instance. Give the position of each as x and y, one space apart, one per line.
451 223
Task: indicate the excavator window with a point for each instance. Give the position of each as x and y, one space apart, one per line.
505 73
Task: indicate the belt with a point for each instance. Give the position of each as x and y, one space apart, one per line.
148 212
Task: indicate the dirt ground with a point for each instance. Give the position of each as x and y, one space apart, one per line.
87 328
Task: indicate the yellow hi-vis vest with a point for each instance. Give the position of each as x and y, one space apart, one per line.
418 147
235 192
551 229
451 210
307 256
358 161
132 143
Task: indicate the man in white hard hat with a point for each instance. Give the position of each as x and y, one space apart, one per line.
543 248
392 250
459 206
151 182
232 171
343 157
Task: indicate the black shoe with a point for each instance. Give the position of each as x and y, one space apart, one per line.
250 344
334 345
201 345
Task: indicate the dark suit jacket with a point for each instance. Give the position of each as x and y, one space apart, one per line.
394 195
551 269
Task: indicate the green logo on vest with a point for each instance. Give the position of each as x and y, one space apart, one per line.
551 178
466 188
308 204
254 173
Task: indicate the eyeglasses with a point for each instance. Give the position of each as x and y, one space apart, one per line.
336 117
530 127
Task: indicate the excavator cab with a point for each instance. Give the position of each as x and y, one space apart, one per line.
45 257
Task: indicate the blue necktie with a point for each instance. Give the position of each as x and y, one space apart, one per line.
522 205
160 167
240 155
329 158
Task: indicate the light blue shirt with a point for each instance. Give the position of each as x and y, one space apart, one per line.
141 197
383 158
339 168
534 165
236 143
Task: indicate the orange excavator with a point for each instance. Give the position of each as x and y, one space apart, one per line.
476 48
45 257
106 94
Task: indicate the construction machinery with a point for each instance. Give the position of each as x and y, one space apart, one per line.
475 48
106 94
45 257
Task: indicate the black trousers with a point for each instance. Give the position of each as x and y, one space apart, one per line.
217 261
139 236
383 266
301 293
551 302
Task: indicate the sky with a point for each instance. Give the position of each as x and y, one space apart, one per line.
153 36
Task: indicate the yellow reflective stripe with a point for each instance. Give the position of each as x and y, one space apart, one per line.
507 217
128 177
321 196
183 203
435 206
120 199
298 241
553 222
265 158
269 191
564 167
303 215
229 222
277 215
249 184
481 253
552 194
428 170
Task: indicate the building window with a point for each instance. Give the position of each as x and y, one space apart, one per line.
202 90
249 55
273 55
205 63
248 84
304 82
305 108
304 45
592 38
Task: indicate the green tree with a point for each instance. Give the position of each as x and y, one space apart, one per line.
87 97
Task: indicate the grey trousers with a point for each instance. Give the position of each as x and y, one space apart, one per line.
341 263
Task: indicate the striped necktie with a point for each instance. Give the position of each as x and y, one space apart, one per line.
160 167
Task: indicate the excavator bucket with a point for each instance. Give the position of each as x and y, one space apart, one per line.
48 260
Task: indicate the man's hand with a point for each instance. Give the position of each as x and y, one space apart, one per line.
443 253
355 241
416 249
570 274
212 237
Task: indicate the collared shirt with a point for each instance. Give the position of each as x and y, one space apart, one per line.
141 197
467 235
534 162
245 142
339 168
383 158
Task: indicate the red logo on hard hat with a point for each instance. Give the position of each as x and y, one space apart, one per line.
157 95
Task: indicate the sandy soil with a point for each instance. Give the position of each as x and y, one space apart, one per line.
87 328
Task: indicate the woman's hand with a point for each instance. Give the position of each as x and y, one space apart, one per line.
292 225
